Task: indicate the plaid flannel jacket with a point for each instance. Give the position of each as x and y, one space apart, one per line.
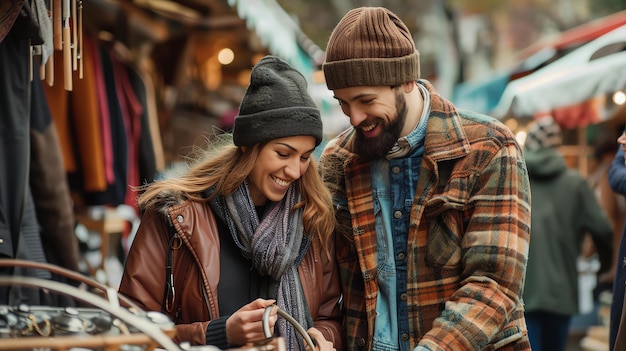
467 241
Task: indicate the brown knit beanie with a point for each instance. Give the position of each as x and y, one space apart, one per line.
370 46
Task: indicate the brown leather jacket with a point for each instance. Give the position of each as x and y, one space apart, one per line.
196 269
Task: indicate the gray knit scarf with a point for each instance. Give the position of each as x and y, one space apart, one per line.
276 245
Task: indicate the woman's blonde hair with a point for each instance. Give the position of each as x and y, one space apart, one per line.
223 167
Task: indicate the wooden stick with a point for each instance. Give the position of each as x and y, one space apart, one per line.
67 59
49 75
74 37
57 24
50 70
67 47
80 38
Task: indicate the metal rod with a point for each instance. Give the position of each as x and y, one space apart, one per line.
266 325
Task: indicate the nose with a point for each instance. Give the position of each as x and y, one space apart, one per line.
622 139
292 169
356 115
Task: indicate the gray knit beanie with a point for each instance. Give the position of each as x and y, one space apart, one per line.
370 46
543 133
276 105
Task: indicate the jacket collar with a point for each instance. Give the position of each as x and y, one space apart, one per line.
446 139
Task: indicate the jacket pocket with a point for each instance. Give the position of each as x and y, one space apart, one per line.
443 245
445 230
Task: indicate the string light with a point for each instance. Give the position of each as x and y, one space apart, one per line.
226 56
619 98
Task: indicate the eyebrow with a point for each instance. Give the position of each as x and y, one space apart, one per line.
360 96
293 148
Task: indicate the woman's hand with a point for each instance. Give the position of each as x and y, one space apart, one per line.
320 341
245 326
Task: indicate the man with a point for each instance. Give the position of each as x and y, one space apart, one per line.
432 202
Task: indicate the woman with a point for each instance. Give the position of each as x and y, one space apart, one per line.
248 226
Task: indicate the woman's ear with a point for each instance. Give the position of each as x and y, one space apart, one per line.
244 149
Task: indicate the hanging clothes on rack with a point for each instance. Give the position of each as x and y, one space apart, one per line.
48 182
20 235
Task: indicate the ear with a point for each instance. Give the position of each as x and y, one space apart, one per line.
244 149
408 87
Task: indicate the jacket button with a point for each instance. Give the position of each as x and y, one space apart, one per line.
179 218
404 336
397 214
360 342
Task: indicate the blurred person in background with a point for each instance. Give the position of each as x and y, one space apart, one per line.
432 202
564 210
617 324
248 225
613 203
594 288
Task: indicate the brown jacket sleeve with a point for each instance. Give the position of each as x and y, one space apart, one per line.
323 292
143 280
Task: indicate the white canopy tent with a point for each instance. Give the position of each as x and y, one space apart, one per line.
594 69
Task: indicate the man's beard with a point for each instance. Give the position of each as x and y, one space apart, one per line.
377 148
